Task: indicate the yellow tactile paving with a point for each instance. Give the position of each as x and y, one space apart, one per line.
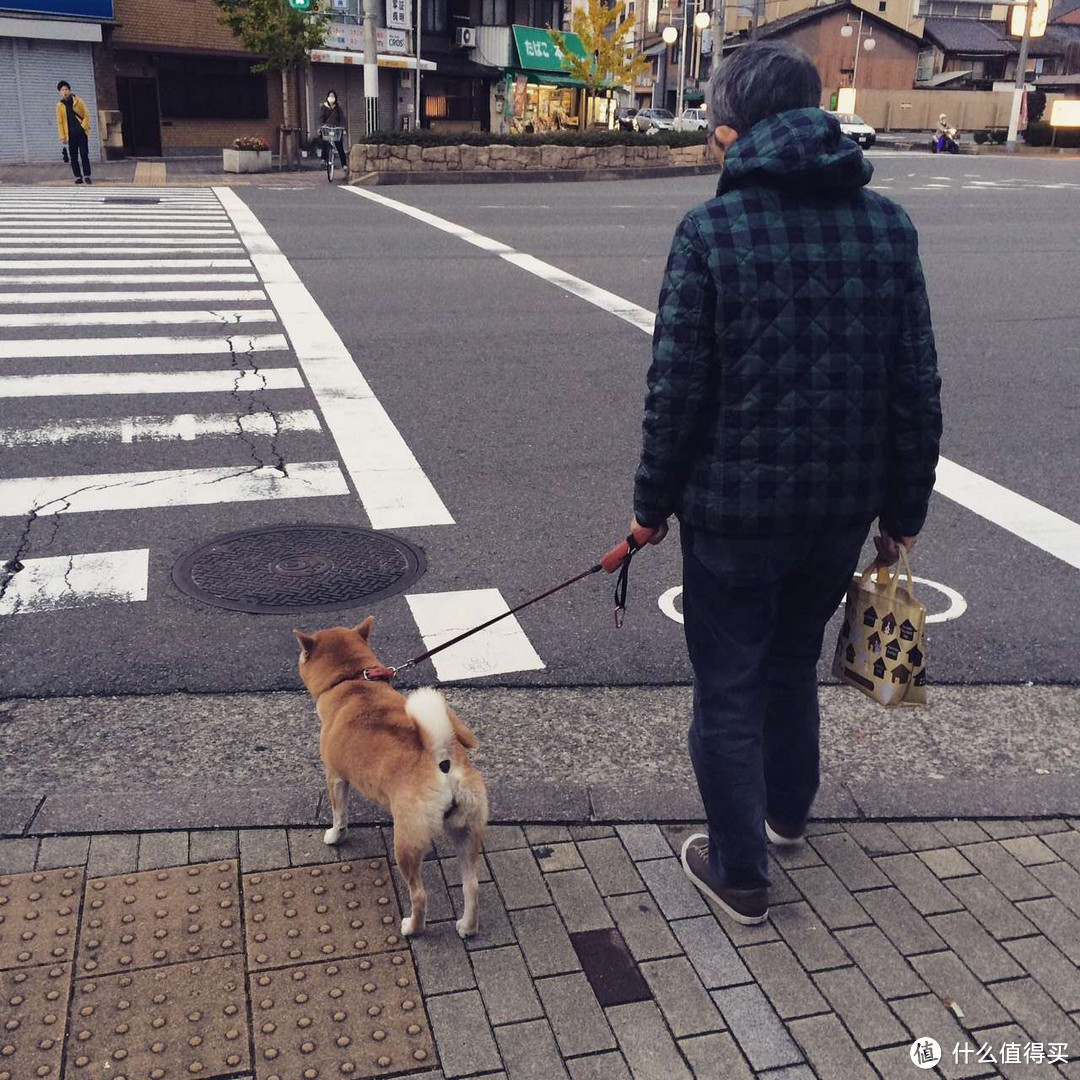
184 1020
38 916
159 917
33 1018
326 912
348 1019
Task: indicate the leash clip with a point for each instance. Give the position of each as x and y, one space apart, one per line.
380 674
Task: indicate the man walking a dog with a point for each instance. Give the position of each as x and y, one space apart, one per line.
793 398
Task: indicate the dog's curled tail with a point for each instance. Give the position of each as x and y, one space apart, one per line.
439 728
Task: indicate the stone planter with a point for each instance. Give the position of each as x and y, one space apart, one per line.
245 161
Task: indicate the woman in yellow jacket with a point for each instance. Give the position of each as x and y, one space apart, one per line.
73 124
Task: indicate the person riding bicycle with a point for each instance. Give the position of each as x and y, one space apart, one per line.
331 115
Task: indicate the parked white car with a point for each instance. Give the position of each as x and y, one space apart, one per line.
649 121
856 129
692 120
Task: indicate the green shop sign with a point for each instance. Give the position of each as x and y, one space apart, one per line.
537 50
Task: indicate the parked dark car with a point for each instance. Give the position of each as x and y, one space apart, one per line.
625 119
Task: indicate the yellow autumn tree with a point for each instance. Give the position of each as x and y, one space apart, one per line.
606 60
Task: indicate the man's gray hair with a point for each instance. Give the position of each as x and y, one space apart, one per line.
760 80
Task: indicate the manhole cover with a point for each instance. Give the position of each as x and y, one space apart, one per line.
296 568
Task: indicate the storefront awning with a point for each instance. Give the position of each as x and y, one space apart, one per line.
542 78
386 60
537 50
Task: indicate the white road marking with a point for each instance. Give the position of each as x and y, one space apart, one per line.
392 486
63 582
110 216
61 252
93 231
1036 524
62 241
499 649
136 318
225 381
120 264
121 279
1046 529
184 427
46 496
149 296
46 348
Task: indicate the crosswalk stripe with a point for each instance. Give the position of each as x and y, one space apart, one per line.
108 213
118 279
494 651
94 231
47 348
61 253
132 318
393 488
225 381
62 242
122 264
45 496
63 582
184 427
149 296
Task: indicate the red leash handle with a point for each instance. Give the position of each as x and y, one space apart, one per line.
619 553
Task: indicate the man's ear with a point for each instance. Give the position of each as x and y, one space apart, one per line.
364 629
307 643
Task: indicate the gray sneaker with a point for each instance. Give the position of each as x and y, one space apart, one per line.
746 906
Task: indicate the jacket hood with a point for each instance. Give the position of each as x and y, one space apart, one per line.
800 149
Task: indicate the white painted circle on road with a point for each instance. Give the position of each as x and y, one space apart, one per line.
957 604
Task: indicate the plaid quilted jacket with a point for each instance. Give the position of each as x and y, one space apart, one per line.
794 378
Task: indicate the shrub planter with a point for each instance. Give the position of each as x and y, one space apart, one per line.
245 161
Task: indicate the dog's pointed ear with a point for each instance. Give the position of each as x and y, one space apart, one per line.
307 643
364 629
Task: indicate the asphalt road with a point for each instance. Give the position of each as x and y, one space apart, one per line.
521 404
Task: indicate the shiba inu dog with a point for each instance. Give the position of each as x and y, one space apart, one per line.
408 754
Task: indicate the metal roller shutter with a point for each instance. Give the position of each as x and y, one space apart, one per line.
28 102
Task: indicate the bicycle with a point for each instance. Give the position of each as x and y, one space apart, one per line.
331 136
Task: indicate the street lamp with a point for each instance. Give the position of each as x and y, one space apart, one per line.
670 35
867 43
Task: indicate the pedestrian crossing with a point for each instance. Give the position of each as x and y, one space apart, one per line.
158 354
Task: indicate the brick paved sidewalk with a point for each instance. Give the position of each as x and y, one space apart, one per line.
262 953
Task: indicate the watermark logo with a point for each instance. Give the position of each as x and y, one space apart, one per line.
925 1053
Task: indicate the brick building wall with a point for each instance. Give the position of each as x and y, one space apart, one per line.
154 32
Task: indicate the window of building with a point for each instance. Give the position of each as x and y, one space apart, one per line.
203 88
494 13
958 10
883 5
435 15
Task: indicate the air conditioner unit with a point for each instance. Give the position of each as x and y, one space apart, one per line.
465 37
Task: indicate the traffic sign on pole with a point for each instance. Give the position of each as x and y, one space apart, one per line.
299 5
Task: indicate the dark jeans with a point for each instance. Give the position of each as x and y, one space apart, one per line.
340 144
79 144
755 610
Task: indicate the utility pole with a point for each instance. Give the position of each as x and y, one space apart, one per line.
371 68
1021 78
755 18
419 29
683 45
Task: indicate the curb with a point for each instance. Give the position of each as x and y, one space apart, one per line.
178 807
530 176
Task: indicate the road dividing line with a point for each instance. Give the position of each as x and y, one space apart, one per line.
47 348
63 582
226 381
1044 528
121 264
1024 518
122 279
392 487
499 649
45 496
136 318
184 427
149 296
